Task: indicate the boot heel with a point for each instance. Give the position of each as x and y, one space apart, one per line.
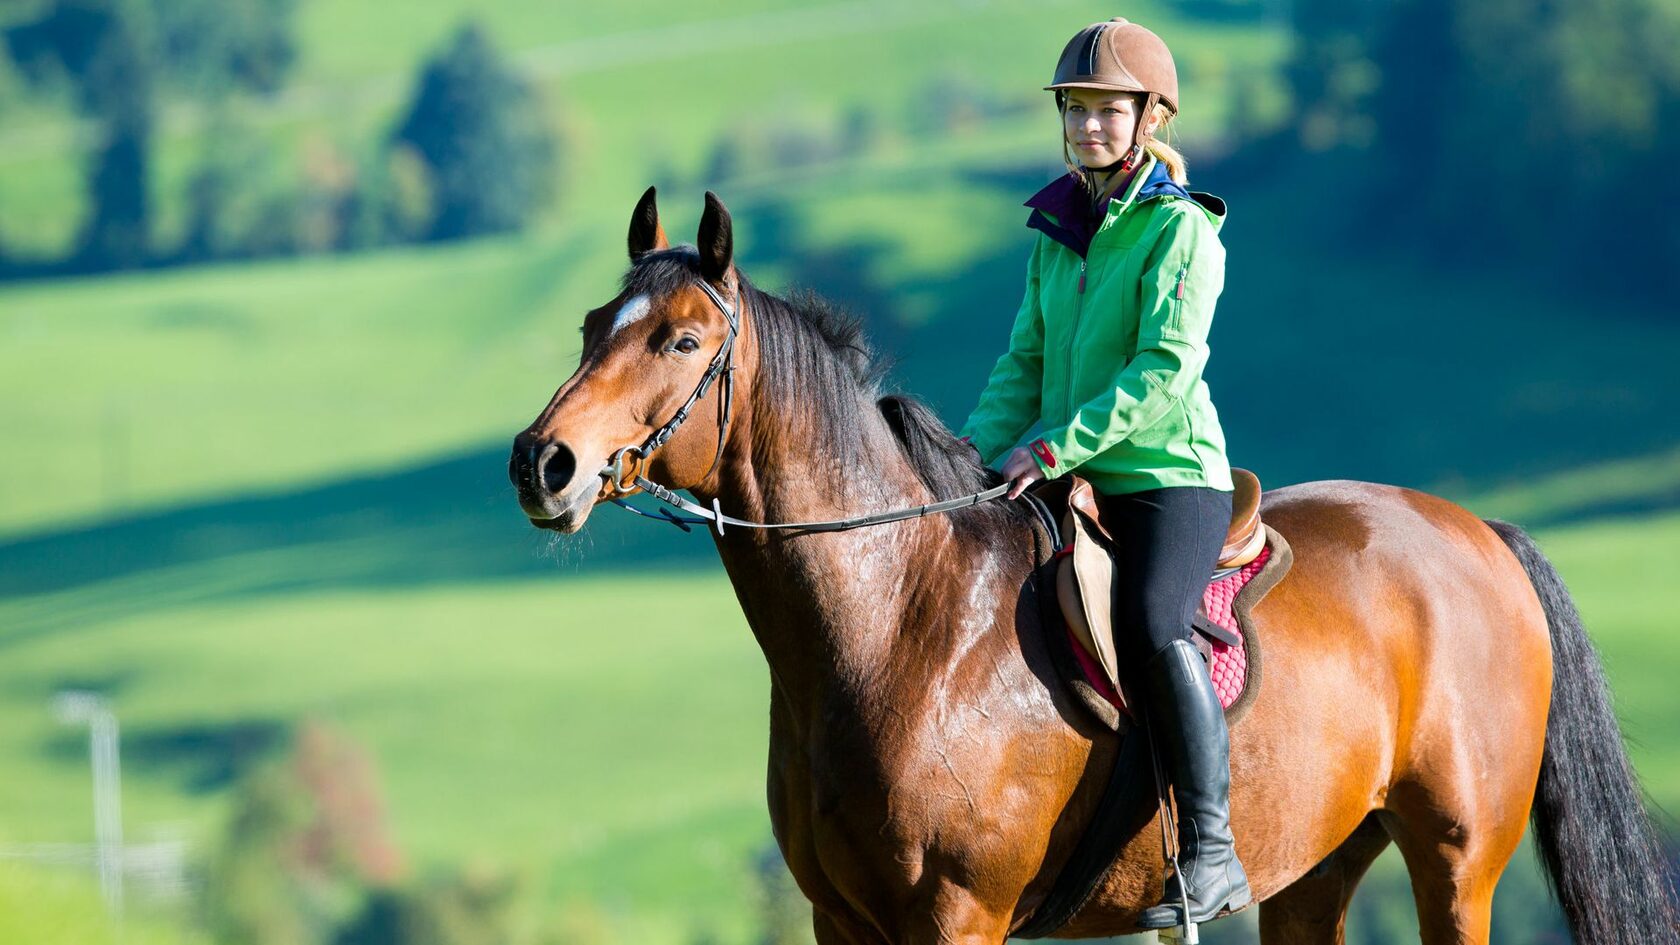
1242 900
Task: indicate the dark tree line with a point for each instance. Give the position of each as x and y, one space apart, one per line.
471 154
116 57
1531 131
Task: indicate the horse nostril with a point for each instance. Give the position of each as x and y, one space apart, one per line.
522 462
555 467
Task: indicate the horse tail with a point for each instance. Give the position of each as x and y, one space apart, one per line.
1604 857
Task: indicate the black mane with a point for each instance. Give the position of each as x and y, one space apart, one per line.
817 356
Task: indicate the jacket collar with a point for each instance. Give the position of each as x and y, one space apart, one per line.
1063 212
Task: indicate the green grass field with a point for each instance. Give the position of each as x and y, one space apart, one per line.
254 494
42 905
516 722
239 496
511 723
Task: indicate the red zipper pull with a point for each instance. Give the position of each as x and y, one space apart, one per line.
1082 277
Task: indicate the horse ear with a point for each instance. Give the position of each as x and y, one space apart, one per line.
646 234
716 240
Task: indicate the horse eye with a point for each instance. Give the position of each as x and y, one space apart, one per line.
687 344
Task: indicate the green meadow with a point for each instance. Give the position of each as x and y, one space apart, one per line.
41 905
516 722
508 725
239 496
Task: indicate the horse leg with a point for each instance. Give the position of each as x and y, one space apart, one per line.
945 913
830 929
947 922
1313 909
1455 859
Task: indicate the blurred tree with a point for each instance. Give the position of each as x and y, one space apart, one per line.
249 895
306 839
348 831
1330 72
100 49
213 47
469 907
1226 11
1513 126
860 130
1554 110
725 162
390 203
481 132
114 55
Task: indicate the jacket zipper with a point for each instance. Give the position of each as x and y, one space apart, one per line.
1073 347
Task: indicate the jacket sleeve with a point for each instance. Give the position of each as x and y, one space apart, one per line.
1181 281
1009 405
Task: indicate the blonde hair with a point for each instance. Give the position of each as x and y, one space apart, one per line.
1164 152
1156 144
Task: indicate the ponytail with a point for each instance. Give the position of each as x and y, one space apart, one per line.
1177 168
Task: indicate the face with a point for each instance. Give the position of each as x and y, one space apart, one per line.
1099 125
643 356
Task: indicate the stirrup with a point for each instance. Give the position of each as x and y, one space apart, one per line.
1186 933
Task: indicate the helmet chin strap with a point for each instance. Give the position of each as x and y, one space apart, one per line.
1123 165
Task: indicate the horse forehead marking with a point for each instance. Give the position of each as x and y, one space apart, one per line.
631 311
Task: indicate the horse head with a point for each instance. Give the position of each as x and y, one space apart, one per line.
651 392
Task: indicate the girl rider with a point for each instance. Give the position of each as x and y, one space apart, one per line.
1107 353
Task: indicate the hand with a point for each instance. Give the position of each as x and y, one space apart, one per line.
1021 470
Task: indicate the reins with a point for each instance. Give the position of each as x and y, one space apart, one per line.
715 516
623 471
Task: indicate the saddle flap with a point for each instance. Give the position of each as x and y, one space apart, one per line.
1085 579
1083 500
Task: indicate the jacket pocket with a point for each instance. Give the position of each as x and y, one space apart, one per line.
1176 295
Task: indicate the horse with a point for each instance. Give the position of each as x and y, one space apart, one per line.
1428 679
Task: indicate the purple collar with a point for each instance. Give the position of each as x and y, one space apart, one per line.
1076 222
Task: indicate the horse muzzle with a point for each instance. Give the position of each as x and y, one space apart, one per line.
545 477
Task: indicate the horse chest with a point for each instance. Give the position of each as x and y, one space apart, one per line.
863 831
848 836
843 850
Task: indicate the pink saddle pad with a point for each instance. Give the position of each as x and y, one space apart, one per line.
1229 667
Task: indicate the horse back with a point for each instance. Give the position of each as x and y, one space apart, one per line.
1404 610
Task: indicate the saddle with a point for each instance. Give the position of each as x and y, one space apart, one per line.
1084 572
1254 559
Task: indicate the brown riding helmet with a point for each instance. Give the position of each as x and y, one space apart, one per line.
1121 56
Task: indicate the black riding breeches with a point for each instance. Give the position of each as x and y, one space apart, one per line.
1167 542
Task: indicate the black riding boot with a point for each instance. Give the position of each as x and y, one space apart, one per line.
1188 726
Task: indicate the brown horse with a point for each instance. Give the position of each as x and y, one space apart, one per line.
1427 678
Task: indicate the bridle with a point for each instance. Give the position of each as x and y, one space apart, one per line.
623 471
631 460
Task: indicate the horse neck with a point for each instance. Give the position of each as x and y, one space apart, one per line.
828 608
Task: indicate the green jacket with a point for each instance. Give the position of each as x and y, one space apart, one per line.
1108 350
